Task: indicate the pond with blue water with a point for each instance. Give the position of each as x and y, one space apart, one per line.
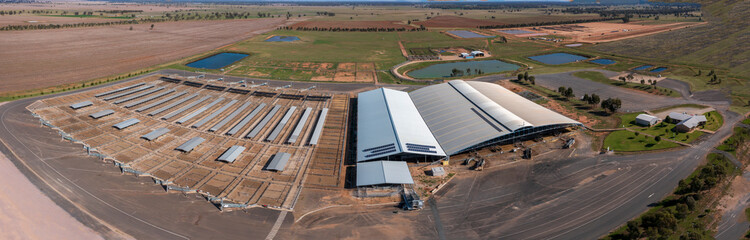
659 69
217 61
444 70
603 61
468 34
516 31
644 67
558 58
282 39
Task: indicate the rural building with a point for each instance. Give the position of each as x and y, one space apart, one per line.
675 117
379 173
446 119
477 53
464 55
646 120
690 123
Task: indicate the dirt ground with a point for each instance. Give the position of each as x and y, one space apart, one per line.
26 213
688 110
93 5
37 59
352 24
33 20
596 32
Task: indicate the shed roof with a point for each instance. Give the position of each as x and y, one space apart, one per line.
190 144
383 172
126 123
388 124
81 104
102 113
155 134
232 153
679 116
693 122
646 117
278 162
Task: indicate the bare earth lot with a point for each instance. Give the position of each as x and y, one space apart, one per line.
37 59
33 20
92 5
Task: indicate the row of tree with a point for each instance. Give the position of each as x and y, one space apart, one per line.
534 24
346 29
525 77
75 25
458 72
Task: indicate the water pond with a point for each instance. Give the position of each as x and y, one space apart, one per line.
444 70
644 67
282 39
558 58
659 69
603 61
217 61
468 34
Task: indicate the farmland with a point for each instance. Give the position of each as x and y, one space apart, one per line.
38 59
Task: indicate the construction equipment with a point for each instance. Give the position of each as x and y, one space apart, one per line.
527 153
569 143
411 200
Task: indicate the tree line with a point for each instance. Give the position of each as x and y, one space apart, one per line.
75 25
346 29
533 24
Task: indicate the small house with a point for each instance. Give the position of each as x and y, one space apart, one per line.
691 123
477 53
464 55
646 120
675 117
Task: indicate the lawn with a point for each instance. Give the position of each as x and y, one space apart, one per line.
665 130
324 47
626 141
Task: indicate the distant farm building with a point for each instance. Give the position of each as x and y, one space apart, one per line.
464 55
646 120
691 123
477 53
675 117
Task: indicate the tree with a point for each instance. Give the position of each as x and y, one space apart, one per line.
520 77
643 81
586 97
690 202
569 92
131 28
526 76
594 99
657 138
612 104
561 90
532 79
152 26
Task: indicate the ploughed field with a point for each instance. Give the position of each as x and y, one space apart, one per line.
45 58
352 24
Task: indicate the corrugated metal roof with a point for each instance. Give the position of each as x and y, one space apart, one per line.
300 125
171 105
162 101
214 114
278 162
646 117
229 118
102 113
185 108
679 116
138 95
284 120
155 134
319 126
383 172
693 121
190 144
118 90
388 123
128 92
136 103
127 123
199 111
246 119
231 154
256 130
81 104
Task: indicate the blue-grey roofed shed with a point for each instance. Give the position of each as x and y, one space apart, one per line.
126 123
278 162
81 105
153 135
231 154
102 113
190 144
383 173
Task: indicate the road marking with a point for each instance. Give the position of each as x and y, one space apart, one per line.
276 225
649 196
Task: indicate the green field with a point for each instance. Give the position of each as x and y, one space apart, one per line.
626 141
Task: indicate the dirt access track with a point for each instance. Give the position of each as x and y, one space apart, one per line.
44 58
